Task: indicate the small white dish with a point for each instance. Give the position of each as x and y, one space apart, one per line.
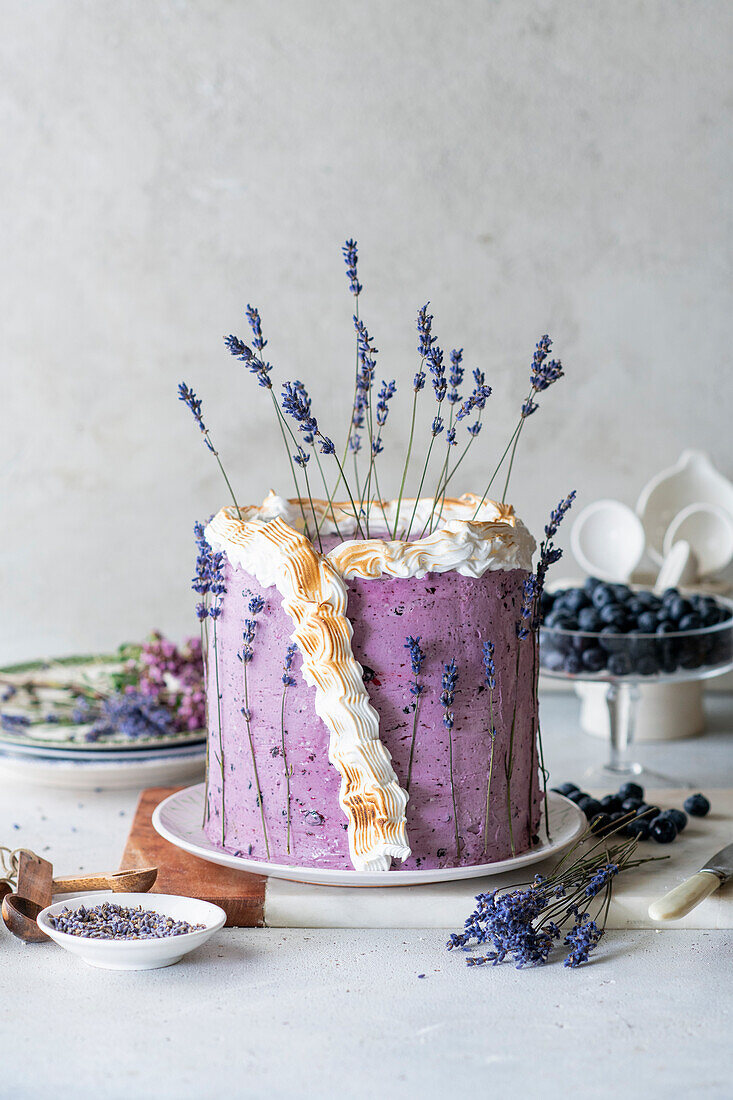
708 529
137 954
608 540
178 819
692 480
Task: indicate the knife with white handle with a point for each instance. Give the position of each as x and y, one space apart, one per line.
678 902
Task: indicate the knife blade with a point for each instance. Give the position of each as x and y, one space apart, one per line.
683 898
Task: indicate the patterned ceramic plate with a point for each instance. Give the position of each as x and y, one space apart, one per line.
178 820
60 740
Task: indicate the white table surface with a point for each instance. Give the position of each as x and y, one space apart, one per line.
325 1013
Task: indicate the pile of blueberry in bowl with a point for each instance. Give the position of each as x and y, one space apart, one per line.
607 631
627 812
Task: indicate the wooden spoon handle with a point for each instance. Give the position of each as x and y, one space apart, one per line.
68 884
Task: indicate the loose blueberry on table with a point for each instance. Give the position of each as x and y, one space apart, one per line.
615 629
626 812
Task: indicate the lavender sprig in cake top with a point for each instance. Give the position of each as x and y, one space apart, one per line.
372 664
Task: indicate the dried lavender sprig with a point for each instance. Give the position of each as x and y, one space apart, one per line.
490 679
424 344
440 386
288 681
542 375
262 371
297 404
417 657
525 923
194 404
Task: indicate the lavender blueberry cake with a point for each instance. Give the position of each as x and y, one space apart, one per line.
372 665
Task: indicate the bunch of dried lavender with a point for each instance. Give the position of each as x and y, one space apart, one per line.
568 907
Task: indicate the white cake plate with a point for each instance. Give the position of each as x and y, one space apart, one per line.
178 819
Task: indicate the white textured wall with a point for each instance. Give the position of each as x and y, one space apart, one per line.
529 167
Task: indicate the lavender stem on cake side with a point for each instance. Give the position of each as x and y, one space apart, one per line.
417 656
549 555
256 605
208 582
449 682
490 678
288 681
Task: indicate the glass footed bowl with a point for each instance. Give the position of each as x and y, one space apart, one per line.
626 661
644 658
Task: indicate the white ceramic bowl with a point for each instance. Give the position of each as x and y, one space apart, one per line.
709 531
608 540
137 954
692 480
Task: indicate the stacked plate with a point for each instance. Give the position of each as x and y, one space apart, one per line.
59 754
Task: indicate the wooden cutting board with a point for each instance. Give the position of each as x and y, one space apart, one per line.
240 895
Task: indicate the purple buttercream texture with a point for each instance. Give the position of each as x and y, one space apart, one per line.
453 615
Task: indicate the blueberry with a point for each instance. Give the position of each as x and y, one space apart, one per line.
589 620
663 830
630 790
576 795
648 812
594 659
647 622
621 592
639 828
679 818
612 614
690 622
667 627
670 594
575 600
611 803
619 664
634 606
647 666
679 607
552 659
599 824
567 788
590 585
590 807
572 664
631 805
697 805
602 595
565 622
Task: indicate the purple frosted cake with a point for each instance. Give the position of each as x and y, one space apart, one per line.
371 665
355 706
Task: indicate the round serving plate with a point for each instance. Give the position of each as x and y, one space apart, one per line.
178 819
63 752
